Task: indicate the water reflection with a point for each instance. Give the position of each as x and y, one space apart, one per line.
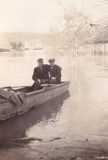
79 121
17 127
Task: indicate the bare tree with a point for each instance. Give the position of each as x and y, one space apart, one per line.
17 45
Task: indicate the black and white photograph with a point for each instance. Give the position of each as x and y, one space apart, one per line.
53 79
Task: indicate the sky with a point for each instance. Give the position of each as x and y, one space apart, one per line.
45 15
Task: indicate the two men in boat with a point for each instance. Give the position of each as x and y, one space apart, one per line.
46 73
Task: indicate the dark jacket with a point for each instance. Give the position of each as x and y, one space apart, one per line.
55 72
41 73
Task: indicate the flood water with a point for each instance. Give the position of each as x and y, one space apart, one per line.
74 125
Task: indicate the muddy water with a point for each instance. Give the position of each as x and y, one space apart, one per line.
74 125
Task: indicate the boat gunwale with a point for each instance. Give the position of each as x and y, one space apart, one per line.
47 88
43 90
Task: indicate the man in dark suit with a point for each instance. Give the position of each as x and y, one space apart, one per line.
41 73
55 72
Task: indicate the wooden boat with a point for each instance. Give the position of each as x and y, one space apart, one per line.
22 100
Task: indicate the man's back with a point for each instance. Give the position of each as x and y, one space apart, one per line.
55 71
41 72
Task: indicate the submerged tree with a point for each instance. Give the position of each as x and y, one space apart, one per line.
77 28
17 45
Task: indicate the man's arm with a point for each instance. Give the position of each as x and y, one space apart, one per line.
47 67
34 76
59 69
58 76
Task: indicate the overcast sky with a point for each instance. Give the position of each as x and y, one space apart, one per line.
40 15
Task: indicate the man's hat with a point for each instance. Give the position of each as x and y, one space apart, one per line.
51 60
40 60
